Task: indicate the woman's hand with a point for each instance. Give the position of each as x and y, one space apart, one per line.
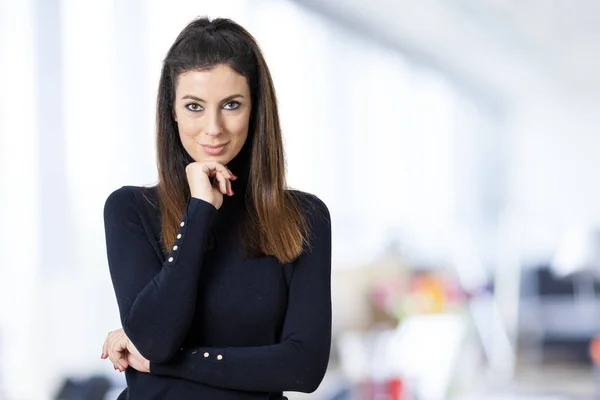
123 353
115 348
199 175
136 360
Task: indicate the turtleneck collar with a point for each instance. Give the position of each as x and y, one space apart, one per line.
240 166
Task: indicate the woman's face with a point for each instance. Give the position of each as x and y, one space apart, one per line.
212 111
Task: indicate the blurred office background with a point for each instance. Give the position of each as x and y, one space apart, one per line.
456 144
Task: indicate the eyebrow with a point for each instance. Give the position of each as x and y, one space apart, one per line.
226 99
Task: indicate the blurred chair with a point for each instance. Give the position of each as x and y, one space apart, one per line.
93 388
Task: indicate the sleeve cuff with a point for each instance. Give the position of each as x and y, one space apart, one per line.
197 221
196 206
197 364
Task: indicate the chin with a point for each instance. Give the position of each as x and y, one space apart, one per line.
221 158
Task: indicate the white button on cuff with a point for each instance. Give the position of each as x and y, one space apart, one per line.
219 357
170 259
182 223
206 355
179 236
175 247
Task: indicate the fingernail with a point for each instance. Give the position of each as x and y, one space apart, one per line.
232 192
234 176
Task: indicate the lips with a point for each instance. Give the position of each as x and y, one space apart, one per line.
213 149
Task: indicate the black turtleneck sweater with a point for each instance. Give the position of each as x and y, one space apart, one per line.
214 324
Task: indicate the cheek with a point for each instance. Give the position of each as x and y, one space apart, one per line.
239 136
187 127
238 127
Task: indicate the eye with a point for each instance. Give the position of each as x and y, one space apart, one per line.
232 105
194 107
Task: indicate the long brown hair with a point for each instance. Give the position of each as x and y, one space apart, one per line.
273 223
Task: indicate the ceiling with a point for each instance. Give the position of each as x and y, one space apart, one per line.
509 49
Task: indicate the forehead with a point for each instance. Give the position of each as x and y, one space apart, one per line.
218 82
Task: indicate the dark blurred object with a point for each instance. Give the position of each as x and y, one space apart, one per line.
93 388
550 285
559 315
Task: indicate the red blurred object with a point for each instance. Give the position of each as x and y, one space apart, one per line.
392 389
396 389
595 350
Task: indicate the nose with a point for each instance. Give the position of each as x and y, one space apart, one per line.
214 125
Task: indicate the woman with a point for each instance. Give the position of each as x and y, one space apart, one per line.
222 276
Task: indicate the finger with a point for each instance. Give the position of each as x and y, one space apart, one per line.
229 188
108 348
104 350
119 360
232 176
123 342
106 345
220 168
120 354
222 183
117 344
112 356
122 361
113 362
106 353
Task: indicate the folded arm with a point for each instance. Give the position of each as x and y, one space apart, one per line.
299 361
156 299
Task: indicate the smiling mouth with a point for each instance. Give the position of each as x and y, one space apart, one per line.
213 150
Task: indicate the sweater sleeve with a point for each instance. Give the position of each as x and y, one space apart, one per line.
156 299
299 361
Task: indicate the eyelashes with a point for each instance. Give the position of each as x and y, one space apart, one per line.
194 107
234 105
230 106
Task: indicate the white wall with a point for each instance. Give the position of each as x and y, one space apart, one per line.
19 208
554 176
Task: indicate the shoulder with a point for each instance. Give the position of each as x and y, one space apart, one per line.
308 201
312 206
129 199
317 218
